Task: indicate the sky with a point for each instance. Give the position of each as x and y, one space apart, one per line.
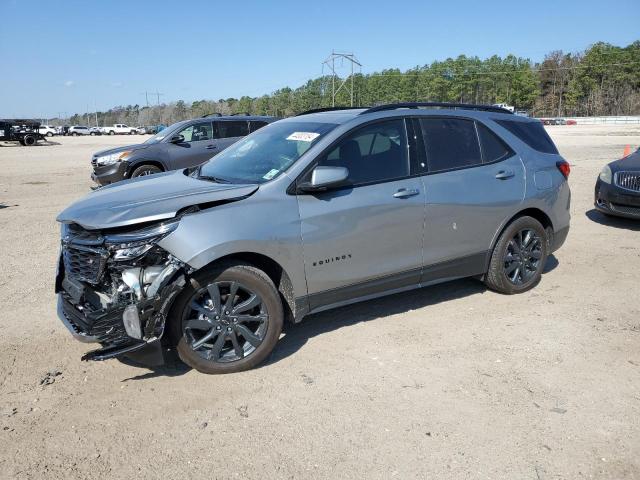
65 57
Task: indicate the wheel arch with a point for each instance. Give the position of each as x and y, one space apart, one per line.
143 161
533 212
274 271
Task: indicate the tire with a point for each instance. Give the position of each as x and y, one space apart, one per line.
74 134
111 132
144 170
28 140
235 352
49 134
510 271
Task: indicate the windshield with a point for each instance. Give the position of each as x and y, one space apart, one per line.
162 133
264 154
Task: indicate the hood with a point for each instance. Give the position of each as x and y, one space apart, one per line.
146 199
138 146
631 162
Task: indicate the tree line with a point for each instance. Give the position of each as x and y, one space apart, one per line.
602 80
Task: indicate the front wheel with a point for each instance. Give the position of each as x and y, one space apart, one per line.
144 170
112 132
229 322
49 134
519 257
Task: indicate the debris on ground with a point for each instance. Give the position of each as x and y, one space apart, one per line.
50 377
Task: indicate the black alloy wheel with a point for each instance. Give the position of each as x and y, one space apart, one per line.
226 322
518 257
228 319
522 256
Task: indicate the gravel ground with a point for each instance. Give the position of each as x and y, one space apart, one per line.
451 381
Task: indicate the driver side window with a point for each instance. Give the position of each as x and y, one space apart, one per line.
372 154
197 132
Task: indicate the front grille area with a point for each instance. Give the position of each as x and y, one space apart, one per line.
616 207
105 325
84 264
94 162
628 180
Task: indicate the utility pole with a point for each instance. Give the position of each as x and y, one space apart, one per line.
146 97
330 62
158 94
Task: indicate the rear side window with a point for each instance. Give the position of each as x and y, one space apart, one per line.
531 133
450 143
493 149
257 125
233 129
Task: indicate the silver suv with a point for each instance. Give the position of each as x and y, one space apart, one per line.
306 214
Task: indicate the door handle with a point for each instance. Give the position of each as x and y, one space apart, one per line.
406 193
505 174
211 147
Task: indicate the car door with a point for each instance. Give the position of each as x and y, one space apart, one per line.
474 182
365 237
198 146
230 131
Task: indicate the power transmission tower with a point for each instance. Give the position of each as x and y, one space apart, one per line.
330 62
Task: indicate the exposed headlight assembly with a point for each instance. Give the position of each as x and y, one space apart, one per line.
113 158
134 244
605 174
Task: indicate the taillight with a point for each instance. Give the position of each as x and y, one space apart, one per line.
564 168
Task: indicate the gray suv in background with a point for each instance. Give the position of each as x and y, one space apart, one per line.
181 145
310 213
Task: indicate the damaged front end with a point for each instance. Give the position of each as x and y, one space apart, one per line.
115 287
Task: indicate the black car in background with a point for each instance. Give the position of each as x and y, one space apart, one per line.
618 187
181 145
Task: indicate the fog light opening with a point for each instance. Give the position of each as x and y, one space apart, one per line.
131 322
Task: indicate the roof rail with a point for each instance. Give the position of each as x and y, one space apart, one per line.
214 114
453 106
328 109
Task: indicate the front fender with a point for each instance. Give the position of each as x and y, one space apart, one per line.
261 224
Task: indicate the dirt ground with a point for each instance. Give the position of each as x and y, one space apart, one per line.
451 381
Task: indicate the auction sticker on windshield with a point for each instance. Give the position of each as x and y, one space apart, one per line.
303 136
271 173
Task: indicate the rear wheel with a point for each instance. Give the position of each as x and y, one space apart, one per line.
111 132
144 170
230 322
519 257
74 134
28 140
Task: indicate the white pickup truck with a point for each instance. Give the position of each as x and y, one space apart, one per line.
119 128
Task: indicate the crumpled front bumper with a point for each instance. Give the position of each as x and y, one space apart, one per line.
73 329
105 325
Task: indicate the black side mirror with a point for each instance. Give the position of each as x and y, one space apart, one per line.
177 139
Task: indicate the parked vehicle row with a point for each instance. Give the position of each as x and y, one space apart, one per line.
557 121
305 214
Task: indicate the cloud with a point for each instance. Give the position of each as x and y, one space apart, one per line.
69 83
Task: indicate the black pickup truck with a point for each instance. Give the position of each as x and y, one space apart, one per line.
19 130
